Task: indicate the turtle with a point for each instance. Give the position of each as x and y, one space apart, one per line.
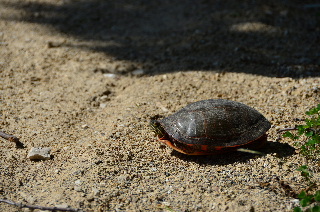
212 126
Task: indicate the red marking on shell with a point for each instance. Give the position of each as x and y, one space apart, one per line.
204 147
218 147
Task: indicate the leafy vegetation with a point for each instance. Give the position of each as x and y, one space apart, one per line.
305 199
309 147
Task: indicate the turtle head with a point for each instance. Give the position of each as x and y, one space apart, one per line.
157 128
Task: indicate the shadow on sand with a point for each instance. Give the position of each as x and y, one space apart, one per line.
280 149
274 38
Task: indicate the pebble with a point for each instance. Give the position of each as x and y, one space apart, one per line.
62 206
95 192
78 182
110 75
138 72
103 105
39 153
123 178
85 126
105 98
77 186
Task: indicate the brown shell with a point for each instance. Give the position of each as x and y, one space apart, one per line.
216 122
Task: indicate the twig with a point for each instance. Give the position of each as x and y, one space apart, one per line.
8 137
295 128
285 129
311 186
288 129
21 205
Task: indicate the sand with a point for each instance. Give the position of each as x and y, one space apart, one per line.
85 77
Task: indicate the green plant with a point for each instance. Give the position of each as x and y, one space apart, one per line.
305 199
304 170
311 130
310 148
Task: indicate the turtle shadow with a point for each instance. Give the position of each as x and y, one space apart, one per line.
280 149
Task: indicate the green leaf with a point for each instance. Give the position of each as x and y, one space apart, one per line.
313 111
317 196
305 173
316 208
310 133
304 202
302 194
301 129
303 148
297 209
303 168
288 134
309 123
309 147
316 137
311 142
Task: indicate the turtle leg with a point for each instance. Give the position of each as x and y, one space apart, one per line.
170 144
184 149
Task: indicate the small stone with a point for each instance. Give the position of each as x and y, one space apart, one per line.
122 178
103 105
295 201
62 206
166 203
27 197
39 153
138 72
78 182
110 75
277 128
90 198
95 192
78 188
85 126
105 98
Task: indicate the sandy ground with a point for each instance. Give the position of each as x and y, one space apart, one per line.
85 77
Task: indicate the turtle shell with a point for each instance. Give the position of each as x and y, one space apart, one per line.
216 122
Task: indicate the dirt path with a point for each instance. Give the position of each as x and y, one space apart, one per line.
85 77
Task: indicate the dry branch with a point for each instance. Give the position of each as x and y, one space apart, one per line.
8 137
12 138
21 205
